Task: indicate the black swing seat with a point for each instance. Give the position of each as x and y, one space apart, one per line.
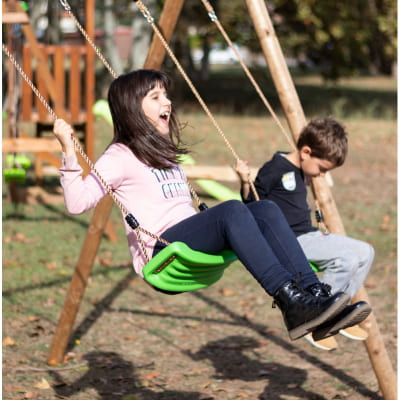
178 268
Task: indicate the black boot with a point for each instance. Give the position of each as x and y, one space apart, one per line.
351 315
320 289
302 312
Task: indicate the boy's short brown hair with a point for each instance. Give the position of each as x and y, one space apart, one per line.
326 138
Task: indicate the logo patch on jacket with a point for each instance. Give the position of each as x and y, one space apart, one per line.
289 181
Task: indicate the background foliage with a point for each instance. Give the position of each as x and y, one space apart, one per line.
333 38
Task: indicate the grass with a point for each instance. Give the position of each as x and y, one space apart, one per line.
356 98
226 340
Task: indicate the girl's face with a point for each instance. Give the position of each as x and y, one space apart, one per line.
157 108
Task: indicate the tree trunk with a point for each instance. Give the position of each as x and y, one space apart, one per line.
141 31
205 62
109 43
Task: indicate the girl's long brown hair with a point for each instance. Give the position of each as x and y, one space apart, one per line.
132 128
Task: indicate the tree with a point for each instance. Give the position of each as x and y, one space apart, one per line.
341 38
337 38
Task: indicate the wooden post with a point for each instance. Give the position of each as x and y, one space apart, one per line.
167 23
93 236
79 281
294 113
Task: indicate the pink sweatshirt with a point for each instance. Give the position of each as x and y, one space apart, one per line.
158 199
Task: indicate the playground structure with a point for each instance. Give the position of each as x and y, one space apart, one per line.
71 91
296 119
72 105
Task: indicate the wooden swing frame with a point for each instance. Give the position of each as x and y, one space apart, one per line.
296 119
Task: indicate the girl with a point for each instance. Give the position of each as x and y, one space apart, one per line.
141 167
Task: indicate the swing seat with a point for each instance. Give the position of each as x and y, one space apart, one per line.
17 175
17 166
178 268
19 160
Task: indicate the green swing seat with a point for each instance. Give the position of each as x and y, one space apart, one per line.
17 165
17 175
178 268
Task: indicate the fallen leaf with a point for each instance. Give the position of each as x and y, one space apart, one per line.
20 237
51 266
8 341
227 292
43 384
70 356
245 303
12 388
192 324
158 310
150 375
105 262
130 337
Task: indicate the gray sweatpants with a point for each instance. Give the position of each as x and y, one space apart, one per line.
344 261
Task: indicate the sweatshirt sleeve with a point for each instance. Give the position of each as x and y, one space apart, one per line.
82 194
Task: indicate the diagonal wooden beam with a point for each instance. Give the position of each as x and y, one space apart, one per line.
99 220
168 19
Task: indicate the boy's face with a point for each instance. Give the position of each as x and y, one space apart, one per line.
313 166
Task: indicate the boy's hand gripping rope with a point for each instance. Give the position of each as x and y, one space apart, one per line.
214 18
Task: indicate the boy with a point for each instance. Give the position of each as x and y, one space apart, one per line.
345 262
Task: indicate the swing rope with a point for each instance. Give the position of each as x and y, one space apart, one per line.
147 15
67 8
150 19
188 269
211 12
214 18
130 219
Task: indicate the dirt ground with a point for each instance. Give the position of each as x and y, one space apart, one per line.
224 342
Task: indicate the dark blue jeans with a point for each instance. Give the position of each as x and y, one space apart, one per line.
257 232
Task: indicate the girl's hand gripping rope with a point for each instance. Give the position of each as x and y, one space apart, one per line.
64 133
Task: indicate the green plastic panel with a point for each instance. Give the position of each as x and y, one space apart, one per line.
14 175
313 266
178 268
